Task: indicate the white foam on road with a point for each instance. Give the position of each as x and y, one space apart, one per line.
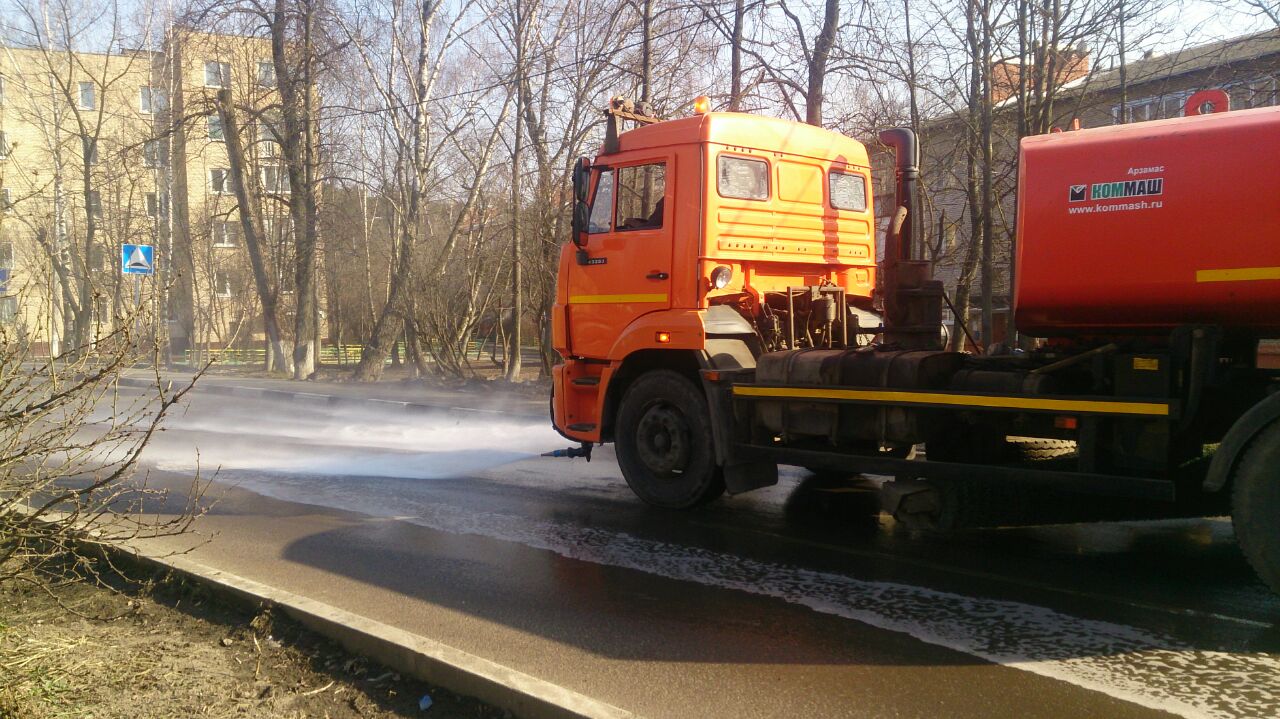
1138 666
351 443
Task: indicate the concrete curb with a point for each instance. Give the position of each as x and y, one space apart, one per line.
407 653
417 656
333 399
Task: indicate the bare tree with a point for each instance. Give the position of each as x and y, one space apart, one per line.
70 441
413 61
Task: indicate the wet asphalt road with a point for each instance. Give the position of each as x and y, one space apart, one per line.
793 601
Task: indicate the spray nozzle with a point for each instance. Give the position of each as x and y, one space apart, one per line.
571 452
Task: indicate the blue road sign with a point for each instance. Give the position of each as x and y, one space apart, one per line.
138 260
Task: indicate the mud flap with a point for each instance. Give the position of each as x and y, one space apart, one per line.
915 503
743 472
745 475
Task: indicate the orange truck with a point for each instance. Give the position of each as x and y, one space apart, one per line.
722 309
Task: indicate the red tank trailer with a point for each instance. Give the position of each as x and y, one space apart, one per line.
1151 225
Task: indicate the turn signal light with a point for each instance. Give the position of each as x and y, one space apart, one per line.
663 338
1066 422
701 105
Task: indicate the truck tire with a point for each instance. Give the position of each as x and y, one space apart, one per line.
664 444
1255 505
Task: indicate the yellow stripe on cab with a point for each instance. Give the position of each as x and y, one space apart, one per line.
614 299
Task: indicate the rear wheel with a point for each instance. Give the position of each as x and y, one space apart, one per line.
1255 505
664 444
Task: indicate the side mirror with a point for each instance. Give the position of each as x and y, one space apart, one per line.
581 212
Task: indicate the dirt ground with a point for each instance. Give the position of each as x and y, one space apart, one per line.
176 651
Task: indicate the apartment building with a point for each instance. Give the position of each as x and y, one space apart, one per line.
102 150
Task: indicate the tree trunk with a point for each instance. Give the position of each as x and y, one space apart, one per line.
250 224
296 82
517 289
646 53
988 171
735 56
818 63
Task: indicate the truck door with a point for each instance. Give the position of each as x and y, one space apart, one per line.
626 271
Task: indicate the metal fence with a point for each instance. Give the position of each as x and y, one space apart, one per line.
339 355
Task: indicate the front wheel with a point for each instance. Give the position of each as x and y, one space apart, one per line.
664 445
1255 505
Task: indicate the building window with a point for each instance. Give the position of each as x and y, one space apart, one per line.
8 307
1260 92
2 88
98 258
6 198
222 283
90 146
219 181
151 153
217 74
152 99
6 255
275 180
94 204
4 146
1255 93
215 128
157 205
266 74
86 96
224 234
267 139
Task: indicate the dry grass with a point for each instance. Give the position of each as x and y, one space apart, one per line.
177 652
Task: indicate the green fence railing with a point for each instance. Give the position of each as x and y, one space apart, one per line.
334 355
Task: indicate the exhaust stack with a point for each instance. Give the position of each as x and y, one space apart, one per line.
912 298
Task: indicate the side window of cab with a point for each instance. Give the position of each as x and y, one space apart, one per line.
641 192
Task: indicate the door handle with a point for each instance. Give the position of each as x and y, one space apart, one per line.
657 276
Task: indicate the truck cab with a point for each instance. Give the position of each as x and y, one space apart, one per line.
686 233
698 243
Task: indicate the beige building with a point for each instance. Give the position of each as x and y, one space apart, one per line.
98 151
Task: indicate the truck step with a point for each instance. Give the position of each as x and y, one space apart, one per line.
582 427
586 381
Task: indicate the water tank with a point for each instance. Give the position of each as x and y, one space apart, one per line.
1146 226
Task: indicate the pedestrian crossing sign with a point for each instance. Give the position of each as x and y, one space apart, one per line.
138 260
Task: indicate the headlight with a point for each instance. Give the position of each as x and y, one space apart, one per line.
720 277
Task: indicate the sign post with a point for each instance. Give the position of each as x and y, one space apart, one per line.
140 261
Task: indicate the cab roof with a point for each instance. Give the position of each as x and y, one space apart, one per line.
756 132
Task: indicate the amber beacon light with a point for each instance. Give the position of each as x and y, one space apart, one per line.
701 105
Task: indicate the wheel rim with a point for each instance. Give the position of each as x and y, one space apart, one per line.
664 440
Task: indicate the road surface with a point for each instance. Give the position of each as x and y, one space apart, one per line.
791 601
